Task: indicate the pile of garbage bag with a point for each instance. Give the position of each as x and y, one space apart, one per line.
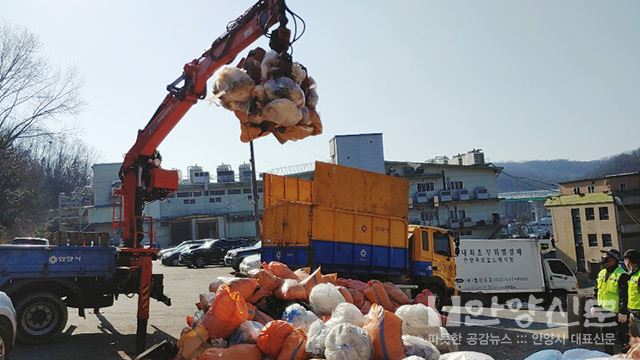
578 354
270 94
277 313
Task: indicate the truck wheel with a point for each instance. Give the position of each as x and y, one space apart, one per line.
199 262
5 342
41 317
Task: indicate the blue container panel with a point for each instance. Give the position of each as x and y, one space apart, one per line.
294 256
55 262
337 255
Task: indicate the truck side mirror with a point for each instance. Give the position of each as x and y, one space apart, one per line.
457 251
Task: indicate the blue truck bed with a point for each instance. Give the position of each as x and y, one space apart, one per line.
35 261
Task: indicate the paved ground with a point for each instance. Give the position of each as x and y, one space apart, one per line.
111 334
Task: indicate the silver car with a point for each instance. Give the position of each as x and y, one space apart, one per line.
7 325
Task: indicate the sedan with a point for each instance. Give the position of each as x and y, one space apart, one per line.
172 258
249 263
7 325
234 257
212 252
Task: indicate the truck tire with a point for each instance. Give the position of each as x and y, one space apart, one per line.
5 342
41 317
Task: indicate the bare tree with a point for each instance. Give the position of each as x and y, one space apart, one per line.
32 92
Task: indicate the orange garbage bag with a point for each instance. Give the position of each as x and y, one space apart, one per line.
375 293
258 295
385 330
281 270
291 291
312 280
302 273
396 294
358 298
192 342
272 337
266 280
226 313
366 307
251 310
239 351
356 284
244 286
346 294
294 346
426 298
330 278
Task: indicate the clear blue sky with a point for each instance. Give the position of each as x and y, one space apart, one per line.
519 79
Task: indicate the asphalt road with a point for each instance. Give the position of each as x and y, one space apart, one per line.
111 334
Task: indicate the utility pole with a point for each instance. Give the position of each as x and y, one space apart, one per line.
254 191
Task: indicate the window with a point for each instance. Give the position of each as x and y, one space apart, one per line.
189 201
184 194
589 214
216 192
606 240
215 200
234 191
424 187
259 190
604 213
576 190
593 240
591 189
558 267
441 244
455 185
197 193
250 197
246 191
425 240
623 186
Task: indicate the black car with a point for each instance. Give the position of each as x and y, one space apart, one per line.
212 252
172 258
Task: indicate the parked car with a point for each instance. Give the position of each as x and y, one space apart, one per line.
249 263
172 258
29 241
7 325
212 252
234 257
174 247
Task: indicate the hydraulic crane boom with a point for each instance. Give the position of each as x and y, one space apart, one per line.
142 178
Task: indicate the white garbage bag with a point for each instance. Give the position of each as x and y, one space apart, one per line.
282 112
298 316
413 357
419 320
465 355
581 354
347 342
268 62
545 355
316 337
247 333
284 88
417 346
444 341
324 298
346 313
233 85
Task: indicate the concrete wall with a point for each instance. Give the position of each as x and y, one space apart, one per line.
103 177
363 151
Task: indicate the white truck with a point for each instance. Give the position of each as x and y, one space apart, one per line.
512 268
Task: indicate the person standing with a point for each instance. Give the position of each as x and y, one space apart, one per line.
612 297
632 262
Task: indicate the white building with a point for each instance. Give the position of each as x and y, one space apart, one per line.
199 209
362 151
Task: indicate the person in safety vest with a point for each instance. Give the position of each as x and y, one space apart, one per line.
611 292
632 262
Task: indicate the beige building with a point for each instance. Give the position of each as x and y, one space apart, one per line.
592 214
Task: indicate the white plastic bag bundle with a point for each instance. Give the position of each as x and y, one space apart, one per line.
465 355
268 62
316 337
283 112
419 320
234 88
580 354
284 88
413 357
346 313
324 298
298 316
247 333
215 284
347 342
444 341
545 355
414 345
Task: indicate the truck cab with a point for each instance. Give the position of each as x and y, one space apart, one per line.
432 252
558 277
